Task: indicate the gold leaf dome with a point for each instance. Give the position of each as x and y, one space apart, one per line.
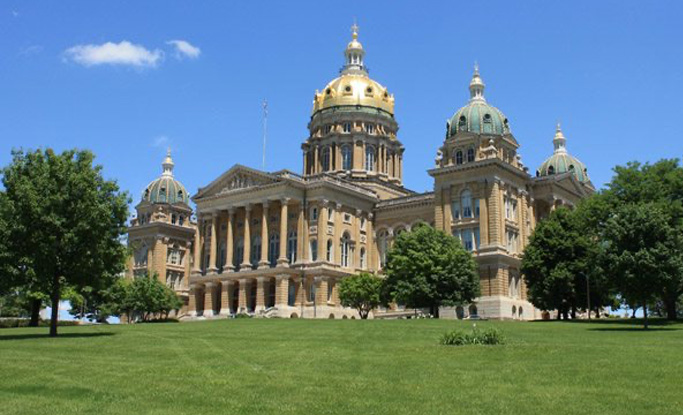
354 88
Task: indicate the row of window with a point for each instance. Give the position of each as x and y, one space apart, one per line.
347 157
175 219
461 157
330 216
347 128
464 206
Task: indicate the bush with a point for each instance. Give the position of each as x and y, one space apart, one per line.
488 336
242 315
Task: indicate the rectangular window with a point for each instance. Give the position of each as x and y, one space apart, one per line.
467 239
455 210
347 127
476 238
476 208
311 292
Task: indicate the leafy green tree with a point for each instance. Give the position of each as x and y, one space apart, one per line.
361 292
64 222
644 252
148 297
659 184
562 263
429 268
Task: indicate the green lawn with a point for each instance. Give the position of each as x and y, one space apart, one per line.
263 366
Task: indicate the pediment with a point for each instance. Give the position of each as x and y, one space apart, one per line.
236 179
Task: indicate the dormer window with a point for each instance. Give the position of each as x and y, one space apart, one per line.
162 195
462 123
551 170
180 195
458 157
347 88
470 155
488 127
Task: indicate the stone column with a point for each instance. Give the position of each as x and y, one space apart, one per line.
246 261
322 231
316 159
320 291
260 294
335 291
356 239
281 291
302 236
226 294
196 267
192 305
228 241
337 233
242 297
484 216
447 213
263 263
282 261
214 248
208 299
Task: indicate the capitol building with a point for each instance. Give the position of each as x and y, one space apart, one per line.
277 244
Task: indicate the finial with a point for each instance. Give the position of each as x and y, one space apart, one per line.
168 151
558 129
167 164
354 29
476 68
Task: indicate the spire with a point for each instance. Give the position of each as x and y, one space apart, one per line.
476 85
167 165
354 54
559 141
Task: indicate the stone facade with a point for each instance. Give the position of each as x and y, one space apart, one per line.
279 243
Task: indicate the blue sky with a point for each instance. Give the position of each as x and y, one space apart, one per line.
609 70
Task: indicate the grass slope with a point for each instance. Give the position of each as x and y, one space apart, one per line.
341 367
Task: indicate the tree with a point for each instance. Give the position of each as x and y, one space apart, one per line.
429 268
65 223
644 251
148 297
361 292
659 184
561 264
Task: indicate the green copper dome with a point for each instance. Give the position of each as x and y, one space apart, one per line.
166 189
563 162
477 116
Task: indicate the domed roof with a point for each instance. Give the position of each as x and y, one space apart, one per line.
477 116
166 189
561 161
354 87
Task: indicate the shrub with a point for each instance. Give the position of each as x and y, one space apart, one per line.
488 336
242 315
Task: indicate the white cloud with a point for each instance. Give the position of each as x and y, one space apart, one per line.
122 53
183 49
160 141
31 50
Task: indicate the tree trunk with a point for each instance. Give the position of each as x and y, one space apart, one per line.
573 313
645 314
597 312
35 312
559 314
55 307
671 312
565 313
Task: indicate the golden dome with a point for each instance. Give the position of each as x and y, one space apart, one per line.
354 87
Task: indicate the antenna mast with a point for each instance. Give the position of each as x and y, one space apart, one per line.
265 131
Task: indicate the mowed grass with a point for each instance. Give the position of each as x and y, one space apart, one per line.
258 366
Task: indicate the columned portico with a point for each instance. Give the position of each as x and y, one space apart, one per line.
263 263
229 241
214 239
246 264
282 261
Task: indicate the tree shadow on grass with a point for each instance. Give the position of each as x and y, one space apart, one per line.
28 336
634 328
624 324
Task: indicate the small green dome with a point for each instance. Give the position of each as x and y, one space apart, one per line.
166 189
562 162
477 116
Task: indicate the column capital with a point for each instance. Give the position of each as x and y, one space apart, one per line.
359 212
209 285
339 206
324 202
248 207
282 277
285 200
215 214
231 211
261 279
265 203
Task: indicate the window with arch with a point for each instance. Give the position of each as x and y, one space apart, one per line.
462 123
347 157
466 202
238 256
255 250
311 291
314 213
273 248
345 250
370 158
362 258
314 250
330 251
141 256
470 155
514 285
551 170
488 123
458 157
180 195
326 158
383 246
162 195
291 247
291 293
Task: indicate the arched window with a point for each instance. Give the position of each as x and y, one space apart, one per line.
462 123
473 311
330 249
470 155
180 195
347 157
314 250
314 213
458 157
488 126
162 195
273 248
291 247
362 258
551 170
255 250
382 246
311 291
291 294
326 159
466 203
369 158
238 256
141 256
345 248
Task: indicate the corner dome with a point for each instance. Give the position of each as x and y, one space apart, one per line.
166 189
354 89
477 116
562 162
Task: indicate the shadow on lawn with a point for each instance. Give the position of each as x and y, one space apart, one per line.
624 324
28 336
